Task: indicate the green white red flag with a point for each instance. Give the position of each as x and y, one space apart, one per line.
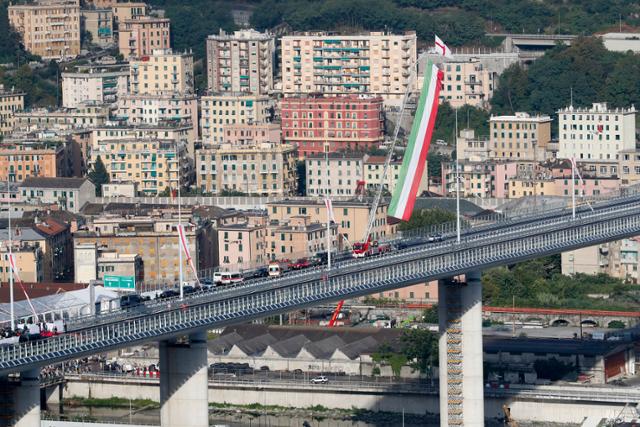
415 156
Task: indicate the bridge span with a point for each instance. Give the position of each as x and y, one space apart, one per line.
184 363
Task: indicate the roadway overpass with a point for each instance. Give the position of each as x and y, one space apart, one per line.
183 362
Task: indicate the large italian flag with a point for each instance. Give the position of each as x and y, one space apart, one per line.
415 156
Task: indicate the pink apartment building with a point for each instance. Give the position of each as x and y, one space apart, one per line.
252 133
353 122
140 37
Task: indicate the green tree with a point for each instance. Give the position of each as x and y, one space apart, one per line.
430 315
427 217
421 348
99 176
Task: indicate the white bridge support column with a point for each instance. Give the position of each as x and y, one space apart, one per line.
460 352
20 406
184 383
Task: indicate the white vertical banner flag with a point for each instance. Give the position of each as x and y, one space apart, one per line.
185 248
443 49
329 205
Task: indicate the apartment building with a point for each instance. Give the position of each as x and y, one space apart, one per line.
240 62
48 28
374 169
64 119
629 167
352 216
97 84
519 137
163 131
163 72
620 258
334 174
28 259
125 11
484 179
174 110
470 147
70 194
217 111
140 37
596 134
467 82
377 63
22 159
252 133
56 245
299 237
243 245
316 123
153 237
11 101
154 165
266 169
98 23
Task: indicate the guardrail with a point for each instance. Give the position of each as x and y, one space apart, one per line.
351 279
569 392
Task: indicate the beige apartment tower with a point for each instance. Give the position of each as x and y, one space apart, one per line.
164 72
49 28
10 102
240 62
376 63
519 137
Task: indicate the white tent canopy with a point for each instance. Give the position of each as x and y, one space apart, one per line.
62 305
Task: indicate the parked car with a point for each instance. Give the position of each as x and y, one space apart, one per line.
130 301
320 379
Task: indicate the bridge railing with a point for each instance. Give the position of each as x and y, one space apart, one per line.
354 278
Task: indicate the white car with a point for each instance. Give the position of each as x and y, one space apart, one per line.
320 379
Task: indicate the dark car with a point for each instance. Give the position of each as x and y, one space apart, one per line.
169 293
433 238
187 289
130 301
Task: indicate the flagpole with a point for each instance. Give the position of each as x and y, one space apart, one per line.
11 300
328 206
179 225
457 185
573 187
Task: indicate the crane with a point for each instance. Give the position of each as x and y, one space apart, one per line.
365 246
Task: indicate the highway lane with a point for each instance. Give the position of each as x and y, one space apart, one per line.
414 250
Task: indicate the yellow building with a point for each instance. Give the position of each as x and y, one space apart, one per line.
220 110
267 169
125 11
164 72
352 216
29 262
10 102
299 237
49 28
519 137
629 167
150 163
376 63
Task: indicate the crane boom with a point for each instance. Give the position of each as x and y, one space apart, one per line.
387 163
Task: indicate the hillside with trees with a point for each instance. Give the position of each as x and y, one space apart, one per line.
586 71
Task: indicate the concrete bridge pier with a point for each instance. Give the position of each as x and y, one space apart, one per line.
460 351
20 400
184 383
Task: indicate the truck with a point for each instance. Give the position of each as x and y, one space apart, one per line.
369 248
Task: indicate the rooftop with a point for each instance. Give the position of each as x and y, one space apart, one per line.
42 182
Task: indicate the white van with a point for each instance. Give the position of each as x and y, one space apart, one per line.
226 278
274 270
